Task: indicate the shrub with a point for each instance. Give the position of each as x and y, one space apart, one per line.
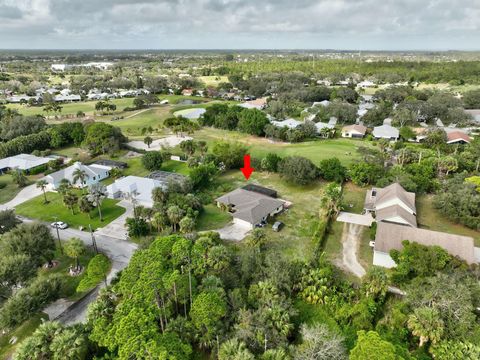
298 170
96 271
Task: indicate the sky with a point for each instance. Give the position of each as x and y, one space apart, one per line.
241 24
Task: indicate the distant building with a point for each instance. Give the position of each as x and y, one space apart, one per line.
23 162
458 137
386 132
354 131
289 123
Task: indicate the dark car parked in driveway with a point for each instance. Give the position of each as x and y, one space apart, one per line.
277 226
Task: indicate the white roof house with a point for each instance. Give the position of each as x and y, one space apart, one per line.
22 162
72 97
289 123
386 132
139 187
95 173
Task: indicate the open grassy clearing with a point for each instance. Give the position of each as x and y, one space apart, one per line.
295 239
11 189
429 218
213 80
212 218
36 209
343 149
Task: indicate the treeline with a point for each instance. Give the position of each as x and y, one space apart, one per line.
457 73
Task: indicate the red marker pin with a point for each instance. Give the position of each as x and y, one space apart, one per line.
247 170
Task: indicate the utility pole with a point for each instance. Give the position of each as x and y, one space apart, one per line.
94 241
58 235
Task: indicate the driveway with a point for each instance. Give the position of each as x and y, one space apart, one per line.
26 194
116 229
351 242
234 232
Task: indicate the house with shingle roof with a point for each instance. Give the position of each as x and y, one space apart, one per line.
354 131
458 137
250 207
390 237
387 132
392 204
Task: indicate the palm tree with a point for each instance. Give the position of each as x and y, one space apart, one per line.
74 248
97 192
85 206
159 221
425 322
70 199
187 224
148 141
234 349
174 214
79 175
63 187
42 184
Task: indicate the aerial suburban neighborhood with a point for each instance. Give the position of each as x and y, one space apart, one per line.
239 181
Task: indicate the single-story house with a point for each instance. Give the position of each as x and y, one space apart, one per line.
289 123
390 237
354 131
23 162
321 103
250 207
392 204
387 132
67 98
95 173
139 186
458 137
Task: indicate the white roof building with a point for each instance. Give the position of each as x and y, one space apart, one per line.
22 162
386 132
95 173
289 123
139 187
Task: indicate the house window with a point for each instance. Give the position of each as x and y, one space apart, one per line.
374 192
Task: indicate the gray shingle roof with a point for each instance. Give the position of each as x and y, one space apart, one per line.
390 236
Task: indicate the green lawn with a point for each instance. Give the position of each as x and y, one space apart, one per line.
88 107
212 218
36 209
343 149
11 189
295 239
429 218
176 167
213 80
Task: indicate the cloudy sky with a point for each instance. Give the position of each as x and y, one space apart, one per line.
240 24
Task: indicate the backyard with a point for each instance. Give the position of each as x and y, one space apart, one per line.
36 209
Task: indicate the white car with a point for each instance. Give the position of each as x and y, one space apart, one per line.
371 244
59 225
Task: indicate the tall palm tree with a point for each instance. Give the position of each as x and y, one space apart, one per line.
159 221
81 176
85 206
97 192
234 349
174 214
425 322
74 248
42 184
70 199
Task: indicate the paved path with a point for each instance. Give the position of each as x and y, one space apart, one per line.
351 242
233 232
137 113
26 194
116 229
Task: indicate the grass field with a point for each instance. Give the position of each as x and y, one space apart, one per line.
11 189
36 209
212 218
429 218
343 149
213 80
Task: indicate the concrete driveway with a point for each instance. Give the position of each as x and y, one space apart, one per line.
234 232
351 242
117 229
26 194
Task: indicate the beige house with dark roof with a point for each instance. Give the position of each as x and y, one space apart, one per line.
390 236
250 208
392 204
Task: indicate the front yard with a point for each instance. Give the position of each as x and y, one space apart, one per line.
36 209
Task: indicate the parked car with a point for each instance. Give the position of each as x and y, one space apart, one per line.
371 244
277 226
59 225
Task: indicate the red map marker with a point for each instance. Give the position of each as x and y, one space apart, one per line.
247 170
